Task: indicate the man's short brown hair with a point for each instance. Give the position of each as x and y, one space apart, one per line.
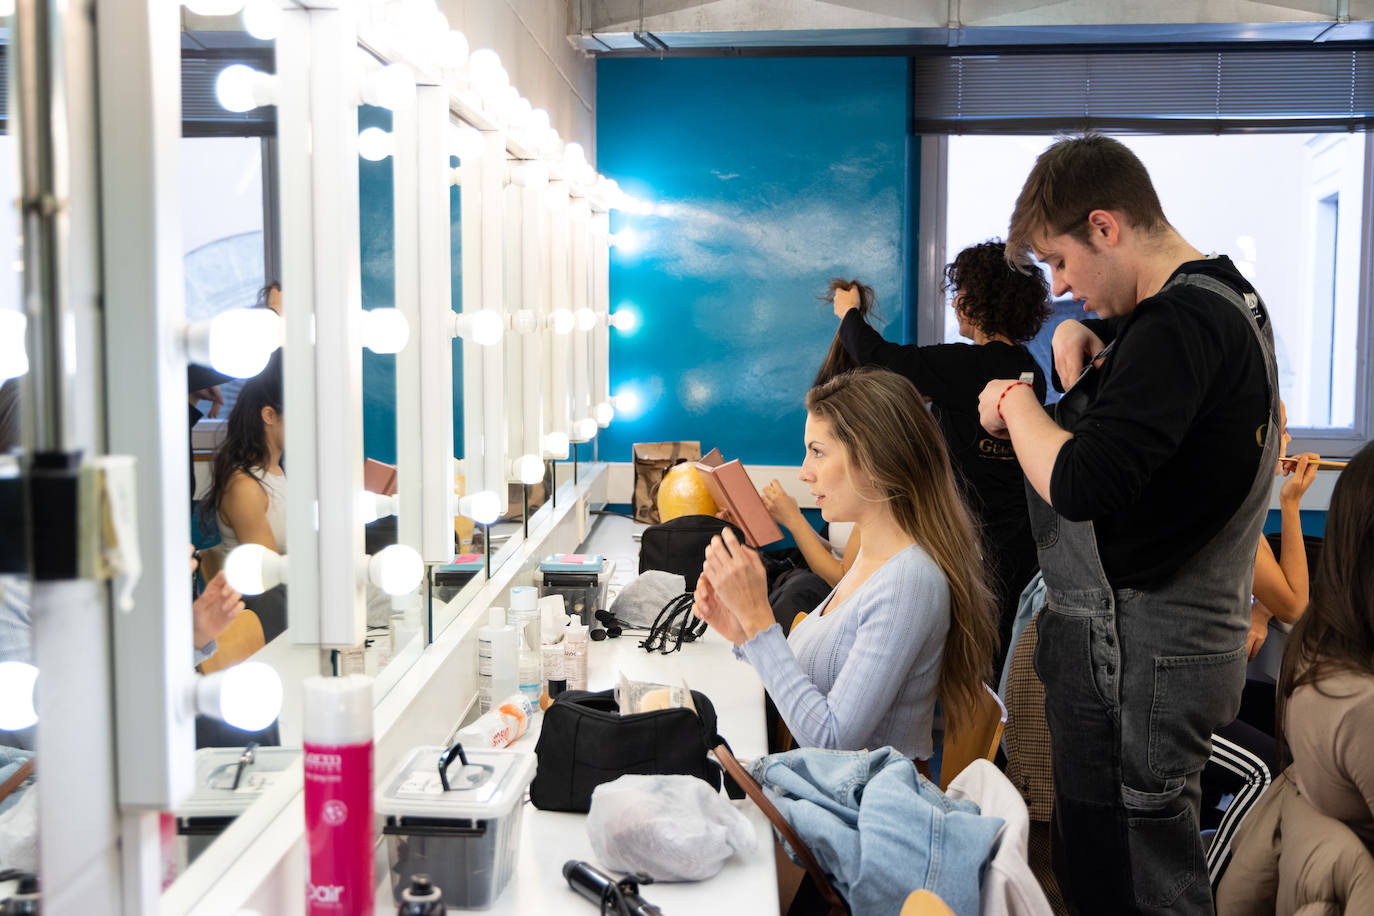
1072 178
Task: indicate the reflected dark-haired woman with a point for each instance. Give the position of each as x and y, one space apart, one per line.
999 309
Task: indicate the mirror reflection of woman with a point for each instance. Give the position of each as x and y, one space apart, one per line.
247 494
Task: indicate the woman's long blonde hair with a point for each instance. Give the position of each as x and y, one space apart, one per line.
880 419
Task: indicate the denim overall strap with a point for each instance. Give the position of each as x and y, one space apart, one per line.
1136 681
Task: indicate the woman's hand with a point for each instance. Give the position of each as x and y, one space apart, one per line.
1074 345
845 301
1300 476
214 610
781 507
1259 630
738 581
706 606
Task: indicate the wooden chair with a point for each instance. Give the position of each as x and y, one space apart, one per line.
973 740
925 903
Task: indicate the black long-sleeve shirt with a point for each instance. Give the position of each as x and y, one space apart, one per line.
1167 448
952 376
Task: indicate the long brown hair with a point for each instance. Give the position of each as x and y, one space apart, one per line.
837 358
879 418
244 447
1336 632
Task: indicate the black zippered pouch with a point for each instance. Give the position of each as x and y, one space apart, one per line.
679 546
585 742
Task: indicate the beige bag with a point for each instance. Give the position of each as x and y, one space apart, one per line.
652 461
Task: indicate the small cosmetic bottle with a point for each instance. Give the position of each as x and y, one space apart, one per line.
338 796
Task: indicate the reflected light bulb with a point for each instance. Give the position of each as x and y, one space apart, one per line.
605 413
395 87
574 156
626 402
455 49
562 321
624 321
483 327
585 318
465 142
385 330
237 342
234 88
14 358
584 430
538 122
626 240
488 76
252 569
262 19
528 469
246 696
213 7
396 570
556 445
374 144
16 696
483 507
372 506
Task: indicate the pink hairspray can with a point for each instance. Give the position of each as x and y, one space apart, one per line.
338 796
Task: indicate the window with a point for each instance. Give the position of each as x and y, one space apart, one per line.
1291 209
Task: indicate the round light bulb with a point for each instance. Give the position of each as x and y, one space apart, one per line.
484 67
455 49
624 321
505 100
250 696
397 570
241 341
374 144
626 402
213 7
580 211
626 240
548 143
483 507
574 156
234 88
528 469
483 327
252 569
556 445
601 224
395 86
584 430
538 122
605 413
585 318
562 321
16 696
519 112
262 19
465 142
385 330
14 358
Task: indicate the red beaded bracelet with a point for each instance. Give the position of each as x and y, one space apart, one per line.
1004 394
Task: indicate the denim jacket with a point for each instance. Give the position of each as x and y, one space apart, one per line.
880 828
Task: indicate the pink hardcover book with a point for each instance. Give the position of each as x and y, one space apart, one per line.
729 485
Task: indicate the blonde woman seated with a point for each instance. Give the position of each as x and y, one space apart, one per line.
910 622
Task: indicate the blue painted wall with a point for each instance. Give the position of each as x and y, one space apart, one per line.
377 234
768 177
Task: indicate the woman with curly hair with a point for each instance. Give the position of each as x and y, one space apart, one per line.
999 309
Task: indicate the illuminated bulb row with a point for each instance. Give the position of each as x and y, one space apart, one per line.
237 342
252 569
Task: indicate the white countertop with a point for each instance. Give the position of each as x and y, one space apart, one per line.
548 839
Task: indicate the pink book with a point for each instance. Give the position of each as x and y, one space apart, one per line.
729 485
379 478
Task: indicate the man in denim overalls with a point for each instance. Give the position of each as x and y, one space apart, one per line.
1148 490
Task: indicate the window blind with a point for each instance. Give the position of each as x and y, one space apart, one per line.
1215 91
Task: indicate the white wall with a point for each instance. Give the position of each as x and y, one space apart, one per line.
530 37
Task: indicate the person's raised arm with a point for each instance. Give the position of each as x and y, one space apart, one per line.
788 514
1281 584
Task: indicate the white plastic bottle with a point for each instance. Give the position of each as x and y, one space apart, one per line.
551 609
575 655
496 660
524 615
499 726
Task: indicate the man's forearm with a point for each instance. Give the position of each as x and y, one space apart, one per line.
1035 436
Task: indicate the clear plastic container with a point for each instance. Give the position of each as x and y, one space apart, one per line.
466 837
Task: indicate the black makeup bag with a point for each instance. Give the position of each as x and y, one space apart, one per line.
679 546
585 742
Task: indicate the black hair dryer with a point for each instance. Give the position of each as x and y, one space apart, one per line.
422 898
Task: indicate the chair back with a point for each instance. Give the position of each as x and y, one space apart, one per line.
974 740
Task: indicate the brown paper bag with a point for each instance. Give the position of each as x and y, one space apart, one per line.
652 461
